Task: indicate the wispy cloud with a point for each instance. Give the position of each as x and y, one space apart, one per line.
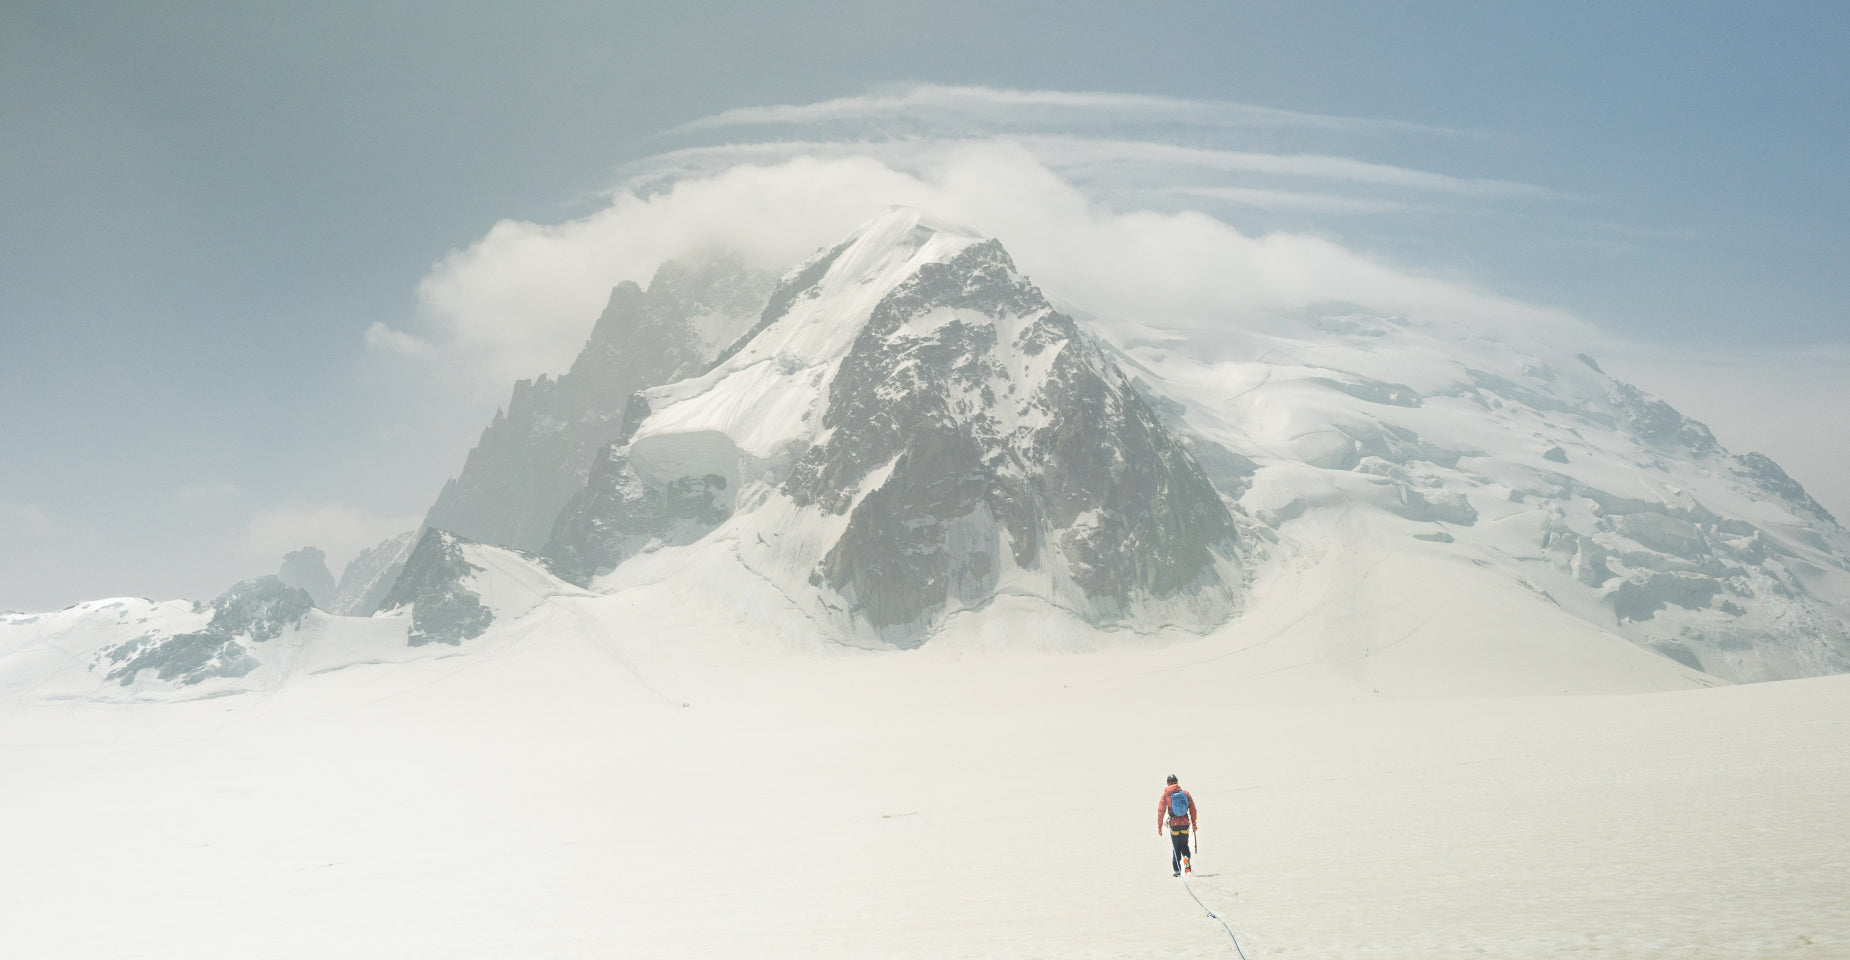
1153 156
195 492
1135 161
1016 108
1291 200
28 518
381 337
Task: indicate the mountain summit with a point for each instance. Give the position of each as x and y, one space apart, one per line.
910 429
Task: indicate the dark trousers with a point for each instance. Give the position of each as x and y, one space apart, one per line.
1178 838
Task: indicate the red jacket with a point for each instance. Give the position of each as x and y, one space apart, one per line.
1162 808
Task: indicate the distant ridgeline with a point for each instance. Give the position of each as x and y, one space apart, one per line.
903 429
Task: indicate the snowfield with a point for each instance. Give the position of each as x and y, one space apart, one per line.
651 775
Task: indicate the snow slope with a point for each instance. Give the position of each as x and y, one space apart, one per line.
629 776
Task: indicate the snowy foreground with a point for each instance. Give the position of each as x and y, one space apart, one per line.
564 789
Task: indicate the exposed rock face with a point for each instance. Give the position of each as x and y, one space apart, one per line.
619 514
435 584
1004 428
251 612
307 569
534 457
370 574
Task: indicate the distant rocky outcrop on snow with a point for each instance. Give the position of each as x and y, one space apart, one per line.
619 514
435 585
535 456
248 614
455 589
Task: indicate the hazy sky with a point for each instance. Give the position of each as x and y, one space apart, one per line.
207 208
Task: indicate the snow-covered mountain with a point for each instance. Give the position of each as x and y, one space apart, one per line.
909 405
905 442
910 430
1528 461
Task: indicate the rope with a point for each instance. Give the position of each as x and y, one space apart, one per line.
1214 916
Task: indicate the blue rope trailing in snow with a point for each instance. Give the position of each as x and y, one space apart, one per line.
1215 917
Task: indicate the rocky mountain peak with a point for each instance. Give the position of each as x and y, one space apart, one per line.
535 457
969 437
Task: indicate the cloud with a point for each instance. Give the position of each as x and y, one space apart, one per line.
381 337
195 492
1152 157
340 529
1102 162
521 300
27 519
1082 186
944 106
1294 200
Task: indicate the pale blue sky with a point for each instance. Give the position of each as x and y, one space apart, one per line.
205 206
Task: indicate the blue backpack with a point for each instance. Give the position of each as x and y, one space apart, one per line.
1178 804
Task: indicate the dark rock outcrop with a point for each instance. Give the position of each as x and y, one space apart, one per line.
619 513
251 612
434 584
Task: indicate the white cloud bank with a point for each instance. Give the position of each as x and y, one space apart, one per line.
521 300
